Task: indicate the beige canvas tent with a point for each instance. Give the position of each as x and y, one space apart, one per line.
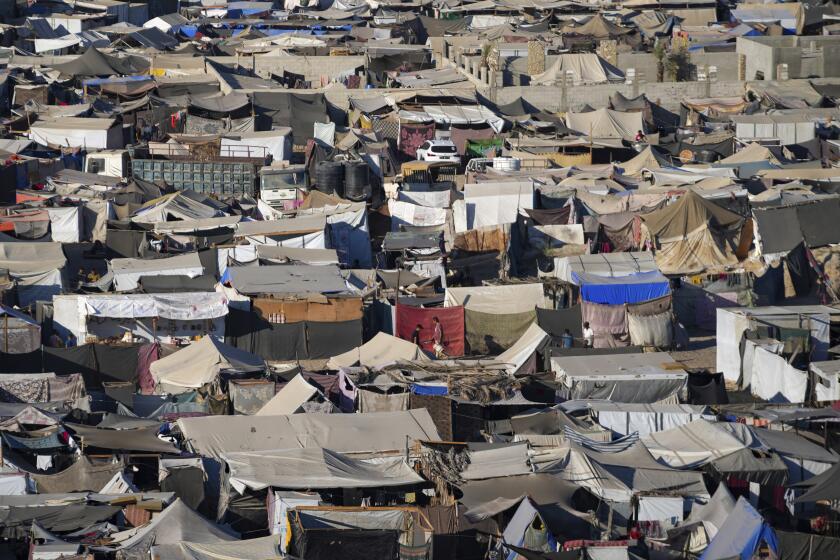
693 235
605 124
382 349
201 363
585 68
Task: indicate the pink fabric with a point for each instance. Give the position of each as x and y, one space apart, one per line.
412 137
146 355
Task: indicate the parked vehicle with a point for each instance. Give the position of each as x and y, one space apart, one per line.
438 150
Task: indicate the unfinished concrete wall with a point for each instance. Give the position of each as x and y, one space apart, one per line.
759 58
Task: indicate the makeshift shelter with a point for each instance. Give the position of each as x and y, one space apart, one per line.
19 333
582 68
175 524
606 125
200 363
215 436
167 316
742 535
78 132
652 377
95 63
37 269
694 444
381 350
313 468
694 235
127 272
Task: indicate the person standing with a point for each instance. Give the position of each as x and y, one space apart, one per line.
588 335
415 336
567 339
437 339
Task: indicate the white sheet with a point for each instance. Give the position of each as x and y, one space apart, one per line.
775 380
411 214
65 224
730 327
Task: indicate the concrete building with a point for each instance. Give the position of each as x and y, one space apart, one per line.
790 57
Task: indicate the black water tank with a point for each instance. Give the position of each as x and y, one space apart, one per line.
329 177
357 181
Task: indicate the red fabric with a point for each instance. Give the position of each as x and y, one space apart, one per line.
412 137
451 320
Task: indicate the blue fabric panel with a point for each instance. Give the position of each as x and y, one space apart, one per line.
429 390
634 288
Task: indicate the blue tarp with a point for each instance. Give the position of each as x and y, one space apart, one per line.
430 390
742 533
633 288
50 442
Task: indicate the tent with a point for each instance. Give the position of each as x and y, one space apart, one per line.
201 363
703 523
313 468
742 535
78 132
596 27
693 444
95 63
381 350
606 124
175 524
261 548
19 333
825 486
647 159
127 272
649 377
374 432
35 268
693 235
585 68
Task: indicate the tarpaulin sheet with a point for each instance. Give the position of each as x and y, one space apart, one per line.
138 439
382 349
775 380
554 321
650 330
328 339
21 363
460 136
82 476
187 483
707 388
493 333
374 401
271 341
201 362
79 359
807 546
632 288
298 111
117 362
451 320
215 436
741 535
609 319
314 468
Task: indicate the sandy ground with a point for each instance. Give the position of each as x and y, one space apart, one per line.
701 351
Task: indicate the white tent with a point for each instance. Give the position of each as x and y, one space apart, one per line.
127 272
78 132
493 204
36 269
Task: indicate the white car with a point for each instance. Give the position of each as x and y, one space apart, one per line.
438 150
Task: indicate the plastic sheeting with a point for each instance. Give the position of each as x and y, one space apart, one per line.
513 298
290 398
214 436
606 124
646 419
651 330
632 288
494 204
741 535
313 468
127 272
692 445
775 380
